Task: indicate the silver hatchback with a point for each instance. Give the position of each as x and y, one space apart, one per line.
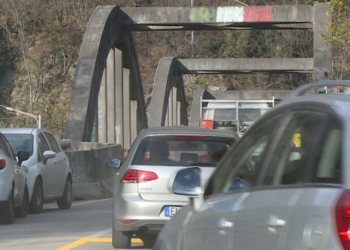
143 202
285 184
14 199
49 175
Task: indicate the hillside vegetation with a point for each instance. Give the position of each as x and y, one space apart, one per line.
40 42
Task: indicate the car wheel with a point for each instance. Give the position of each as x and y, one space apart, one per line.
7 214
22 210
120 239
37 202
65 201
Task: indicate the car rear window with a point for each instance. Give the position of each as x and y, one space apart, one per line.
20 142
181 150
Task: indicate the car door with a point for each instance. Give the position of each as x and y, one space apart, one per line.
268 211
320 147
48 168
211 227
19 174
60 167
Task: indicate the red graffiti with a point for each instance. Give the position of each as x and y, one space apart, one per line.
257 14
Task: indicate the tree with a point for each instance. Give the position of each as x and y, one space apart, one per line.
337 35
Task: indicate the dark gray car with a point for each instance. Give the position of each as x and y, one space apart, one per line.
285 184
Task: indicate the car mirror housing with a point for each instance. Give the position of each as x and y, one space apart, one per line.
187 182
48 154
114 162
22 156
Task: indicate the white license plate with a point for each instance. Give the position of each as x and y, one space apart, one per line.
170 211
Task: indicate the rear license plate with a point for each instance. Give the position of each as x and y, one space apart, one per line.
170 211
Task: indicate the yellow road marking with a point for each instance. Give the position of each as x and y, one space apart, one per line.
81 203
86 240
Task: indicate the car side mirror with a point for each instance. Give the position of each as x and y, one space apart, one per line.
22 156
187 182
48 154
114 162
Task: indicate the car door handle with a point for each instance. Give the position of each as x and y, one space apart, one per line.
224 225
275 222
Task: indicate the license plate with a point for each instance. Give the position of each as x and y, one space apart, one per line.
170 211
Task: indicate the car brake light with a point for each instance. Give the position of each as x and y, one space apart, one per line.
127 221
189 137
139 176
2 164
342 218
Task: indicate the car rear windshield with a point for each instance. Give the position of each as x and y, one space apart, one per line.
181 150
20 142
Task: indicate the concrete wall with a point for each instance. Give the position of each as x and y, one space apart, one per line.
92 179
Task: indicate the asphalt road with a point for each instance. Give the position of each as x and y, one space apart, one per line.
86 225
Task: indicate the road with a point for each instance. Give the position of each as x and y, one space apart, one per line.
86 225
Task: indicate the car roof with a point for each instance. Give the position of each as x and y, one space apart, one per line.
339 102
171 130
19 130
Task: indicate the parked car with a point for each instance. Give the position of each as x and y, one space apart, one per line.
49 175
142 202
285 184
14 199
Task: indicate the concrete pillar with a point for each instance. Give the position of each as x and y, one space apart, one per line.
174 113
322 54
126 106
102 116
167 117
178 113
170 107
118 90
133 120
94 134
110 98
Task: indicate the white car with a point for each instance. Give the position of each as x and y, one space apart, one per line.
49 175
13 187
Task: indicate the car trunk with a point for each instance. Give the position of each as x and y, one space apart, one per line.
158 189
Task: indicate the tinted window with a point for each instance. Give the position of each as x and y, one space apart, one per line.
20 142
239 169
43 146
309 150
52 142
181 150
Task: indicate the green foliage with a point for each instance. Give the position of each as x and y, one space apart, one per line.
337 35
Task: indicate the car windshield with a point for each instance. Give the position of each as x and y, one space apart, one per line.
181 150
245 115
20 142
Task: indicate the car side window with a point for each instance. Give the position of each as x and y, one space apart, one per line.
308 151
42 144
239 169
52 142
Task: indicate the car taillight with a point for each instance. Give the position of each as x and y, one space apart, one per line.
127 221
139 176
189 137
342 218
2 164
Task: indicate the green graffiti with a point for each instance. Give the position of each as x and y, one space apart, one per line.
203 14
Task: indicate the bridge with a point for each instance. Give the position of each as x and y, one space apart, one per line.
107 102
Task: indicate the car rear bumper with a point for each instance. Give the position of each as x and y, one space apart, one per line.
140 215
5 189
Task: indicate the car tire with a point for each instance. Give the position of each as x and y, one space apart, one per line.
22 210
7 214
37 202
120 239
65 202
